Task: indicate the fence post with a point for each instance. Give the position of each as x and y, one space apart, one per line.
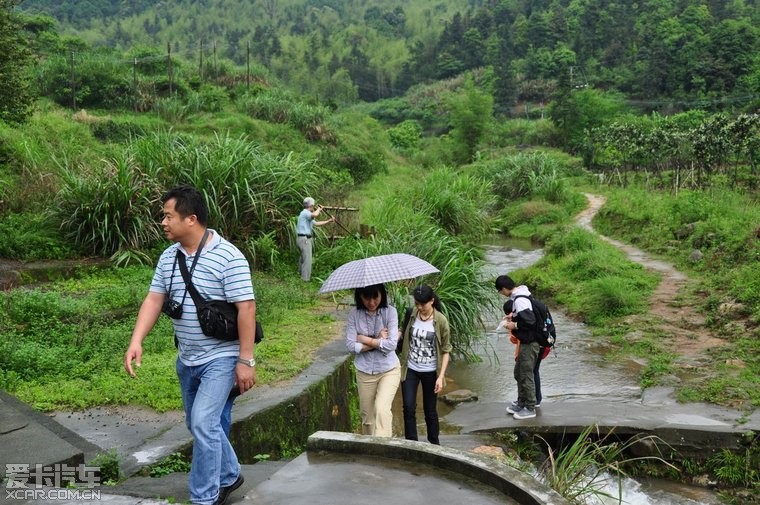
134 84
171 70
248 64
200 67
73 85
216 69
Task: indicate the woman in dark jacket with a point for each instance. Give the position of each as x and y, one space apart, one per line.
424 359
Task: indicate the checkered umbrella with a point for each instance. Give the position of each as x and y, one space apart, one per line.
376 270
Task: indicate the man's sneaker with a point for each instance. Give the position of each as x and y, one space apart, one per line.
225 491
538 405
513 407
525 413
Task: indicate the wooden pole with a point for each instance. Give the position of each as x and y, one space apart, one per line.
73 85
169 68
200 66
248 65
134 84
216 69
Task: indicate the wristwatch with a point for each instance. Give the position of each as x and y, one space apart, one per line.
250 362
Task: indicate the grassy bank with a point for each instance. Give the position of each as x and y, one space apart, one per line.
66 341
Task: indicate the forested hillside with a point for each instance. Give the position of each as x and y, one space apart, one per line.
663 54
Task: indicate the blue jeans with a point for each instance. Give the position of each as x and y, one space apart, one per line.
227 411
429 404
205 391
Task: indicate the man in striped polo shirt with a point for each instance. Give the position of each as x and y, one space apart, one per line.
207 368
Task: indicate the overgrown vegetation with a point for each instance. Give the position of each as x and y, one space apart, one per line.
581 471
434 172
591 467
722 226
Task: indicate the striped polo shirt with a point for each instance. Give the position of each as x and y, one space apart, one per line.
222 273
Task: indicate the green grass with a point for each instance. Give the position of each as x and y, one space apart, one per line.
723 225
95 315
591 278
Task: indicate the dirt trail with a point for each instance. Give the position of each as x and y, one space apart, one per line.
671 312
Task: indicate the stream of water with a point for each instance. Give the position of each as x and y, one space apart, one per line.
577 368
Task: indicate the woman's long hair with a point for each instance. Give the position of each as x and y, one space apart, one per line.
371 292
424 293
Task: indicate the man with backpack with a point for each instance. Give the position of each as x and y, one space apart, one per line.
545 350
523 326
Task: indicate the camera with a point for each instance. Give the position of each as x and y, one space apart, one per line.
172 309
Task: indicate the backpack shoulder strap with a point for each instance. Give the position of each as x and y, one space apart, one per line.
530 299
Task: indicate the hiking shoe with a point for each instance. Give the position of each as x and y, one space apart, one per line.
513 407
525 413
224 492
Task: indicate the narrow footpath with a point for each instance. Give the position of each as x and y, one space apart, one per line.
670 311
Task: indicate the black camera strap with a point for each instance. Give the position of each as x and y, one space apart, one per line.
171 280
188 276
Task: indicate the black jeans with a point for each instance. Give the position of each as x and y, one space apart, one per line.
429 399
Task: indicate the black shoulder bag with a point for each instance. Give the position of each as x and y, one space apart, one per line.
218 318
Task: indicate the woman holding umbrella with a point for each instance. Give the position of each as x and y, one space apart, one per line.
371 335
426 345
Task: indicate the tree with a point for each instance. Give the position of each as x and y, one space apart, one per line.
15 96
471 112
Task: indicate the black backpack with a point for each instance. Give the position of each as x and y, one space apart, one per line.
546 333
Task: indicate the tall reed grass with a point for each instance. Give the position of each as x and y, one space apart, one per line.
530 174
580 471
278 106
463 292
116 206
109 208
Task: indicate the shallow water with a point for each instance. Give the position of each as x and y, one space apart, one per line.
576 368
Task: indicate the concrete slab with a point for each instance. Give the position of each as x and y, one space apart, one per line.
689 428
174 486
30 437
342 479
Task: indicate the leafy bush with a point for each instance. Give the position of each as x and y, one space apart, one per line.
175 462
110 472
526 175
115 131
359 164
523 132
100 80
263 251
406 135
207 99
